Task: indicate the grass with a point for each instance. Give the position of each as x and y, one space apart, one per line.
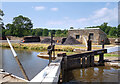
43 47
110 55
67 53
68 49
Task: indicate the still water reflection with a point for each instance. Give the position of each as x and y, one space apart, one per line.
31 63
94 74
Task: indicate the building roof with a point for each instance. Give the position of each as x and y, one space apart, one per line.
86 29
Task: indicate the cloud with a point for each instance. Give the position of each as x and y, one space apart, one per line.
100 13
66 18
105 15
38 8
107 4
54 9
96 18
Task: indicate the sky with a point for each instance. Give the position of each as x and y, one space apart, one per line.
63 15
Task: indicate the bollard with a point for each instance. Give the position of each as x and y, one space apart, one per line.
50 53
83 62
79 61
92 60
88 60
103 44
64 65
101 59
89 44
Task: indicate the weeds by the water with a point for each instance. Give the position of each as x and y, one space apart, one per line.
68 49
43 47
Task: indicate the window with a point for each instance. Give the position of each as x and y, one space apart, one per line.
91 36
77 36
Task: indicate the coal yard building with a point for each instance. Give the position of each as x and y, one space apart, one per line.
96 35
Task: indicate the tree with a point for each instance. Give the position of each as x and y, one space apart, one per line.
110 31
118 31
1 15
38 32
51 31
20 26
45 32
2 29
107 29
103 26
71 27
10 30
58 32
113 31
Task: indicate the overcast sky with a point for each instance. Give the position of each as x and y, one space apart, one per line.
63 15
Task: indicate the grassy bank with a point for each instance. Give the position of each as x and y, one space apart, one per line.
43 47
68 49
109 55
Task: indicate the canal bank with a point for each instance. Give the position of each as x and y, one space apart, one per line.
97 52
72 73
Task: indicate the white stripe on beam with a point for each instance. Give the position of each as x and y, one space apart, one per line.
13 51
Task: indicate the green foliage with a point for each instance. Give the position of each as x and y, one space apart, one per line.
58 33
61 33
118 31
113 31
110 31
20 26
1 24
71 27
1 15
37 32
45 32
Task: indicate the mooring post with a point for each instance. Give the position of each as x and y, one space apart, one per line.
50 53
92 60
80 62
50 57
101 59
88 60
83 62
64 65
103 44
89 43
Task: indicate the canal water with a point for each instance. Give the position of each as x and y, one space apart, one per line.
31 63
93 74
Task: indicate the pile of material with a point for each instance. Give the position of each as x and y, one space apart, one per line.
46 40
70 41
